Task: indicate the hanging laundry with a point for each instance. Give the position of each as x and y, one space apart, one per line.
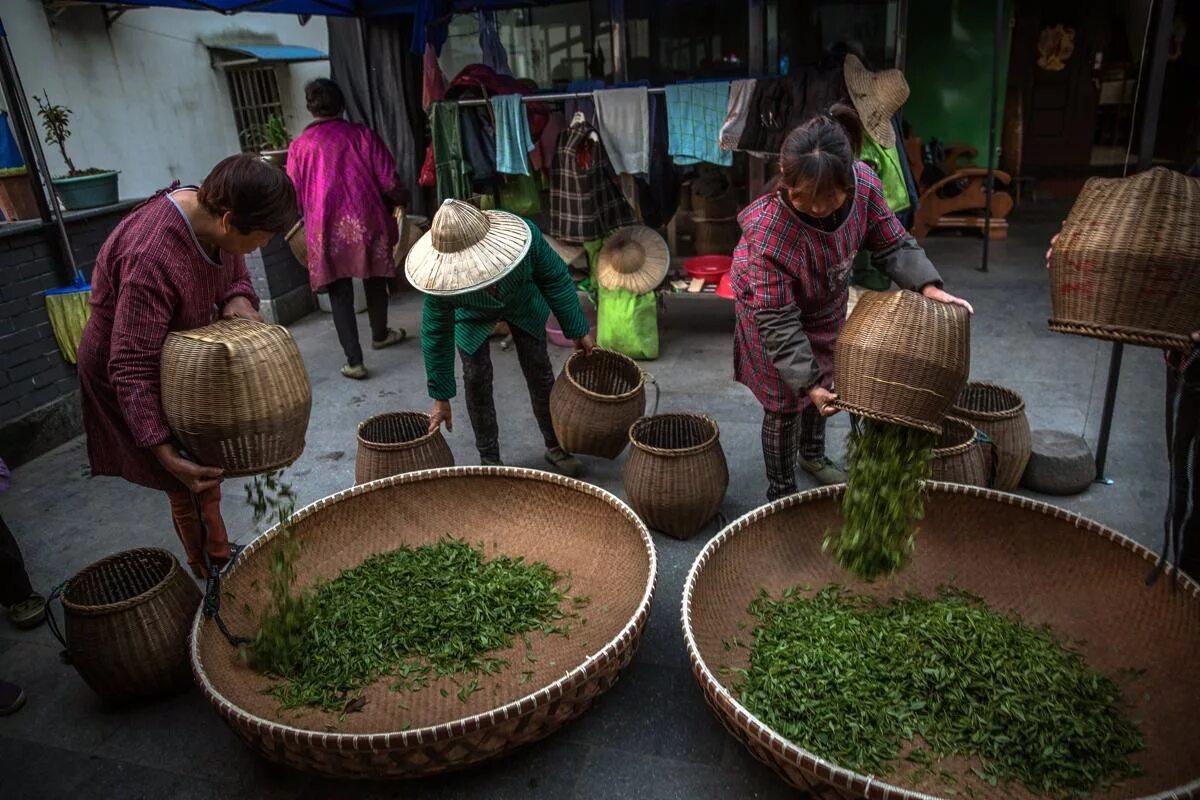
513 139
623 120
695 113
582 105
494 54
740 92
658 191
585 201
543 151
910 184
433 80
448 164
478 134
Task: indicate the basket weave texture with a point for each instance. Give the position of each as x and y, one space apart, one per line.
573 527
1124 266
399 442
902 358
960 457
999 413
1052 567
127 620
236 395
594 401
676 475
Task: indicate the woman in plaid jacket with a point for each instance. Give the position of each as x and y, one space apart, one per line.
790 277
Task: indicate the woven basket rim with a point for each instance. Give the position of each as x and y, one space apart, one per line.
129 602
868 785
393 446
199 335
961 447
390 740
968 414
604 398
672 452
895 419
1122 333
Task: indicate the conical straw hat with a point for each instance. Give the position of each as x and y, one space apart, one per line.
567 252
634 258
877 96
466 249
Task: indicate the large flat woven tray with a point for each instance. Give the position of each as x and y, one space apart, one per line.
1085 581
572 526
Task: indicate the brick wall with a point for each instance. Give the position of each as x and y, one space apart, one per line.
38 389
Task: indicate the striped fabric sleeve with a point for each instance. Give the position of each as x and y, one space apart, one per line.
241 285
553 280
437 347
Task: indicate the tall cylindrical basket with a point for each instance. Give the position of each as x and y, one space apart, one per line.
676 475
595 400
1000 414
961 455
399 442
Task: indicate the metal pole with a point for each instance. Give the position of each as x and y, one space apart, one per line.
989 188
39 169
548 97
1149 132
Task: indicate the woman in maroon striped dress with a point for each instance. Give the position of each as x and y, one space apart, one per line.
790 278
176 262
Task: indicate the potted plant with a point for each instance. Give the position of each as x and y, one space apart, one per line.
17 200
272 140
79 188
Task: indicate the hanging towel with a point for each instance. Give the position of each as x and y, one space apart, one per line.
494 54
513 139
623 120
740 92
695 113
448 164
433 80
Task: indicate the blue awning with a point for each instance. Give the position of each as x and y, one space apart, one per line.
228 54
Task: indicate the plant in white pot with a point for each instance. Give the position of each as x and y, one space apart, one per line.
271 139
79 188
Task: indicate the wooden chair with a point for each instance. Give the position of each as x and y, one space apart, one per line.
964 209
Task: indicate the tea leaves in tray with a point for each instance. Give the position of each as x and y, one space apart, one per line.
855 680
887 466
414 614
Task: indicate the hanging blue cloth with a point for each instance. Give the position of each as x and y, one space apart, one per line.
695 113
494 54
513 138
10 154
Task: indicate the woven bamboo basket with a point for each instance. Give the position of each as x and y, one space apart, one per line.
902 358
571 526
961 456
1085 581
595 400
1000 414
126 625
399 442
236 395
676 475
1124 267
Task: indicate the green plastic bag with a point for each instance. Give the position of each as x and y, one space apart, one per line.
520 195
628 323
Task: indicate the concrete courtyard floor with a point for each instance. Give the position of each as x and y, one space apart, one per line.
652 736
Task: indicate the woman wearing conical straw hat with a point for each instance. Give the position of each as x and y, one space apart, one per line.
477 268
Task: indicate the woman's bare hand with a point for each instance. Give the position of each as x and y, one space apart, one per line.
441 413
822 399
195 477
942 296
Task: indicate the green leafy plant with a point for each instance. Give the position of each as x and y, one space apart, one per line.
270 135
887 466
56 122
881 686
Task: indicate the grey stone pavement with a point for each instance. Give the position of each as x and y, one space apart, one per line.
652 736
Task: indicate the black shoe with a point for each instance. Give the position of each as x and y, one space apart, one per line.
11 698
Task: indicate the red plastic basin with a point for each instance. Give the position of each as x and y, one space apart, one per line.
710 268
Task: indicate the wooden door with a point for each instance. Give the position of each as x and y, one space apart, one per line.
1053 66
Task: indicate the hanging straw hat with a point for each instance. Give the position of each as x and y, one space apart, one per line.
634 258
567 252
877 96
466 249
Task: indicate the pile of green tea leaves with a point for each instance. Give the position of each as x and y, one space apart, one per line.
886 467
868 684
415 614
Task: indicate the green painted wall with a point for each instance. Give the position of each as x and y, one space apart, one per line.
949 70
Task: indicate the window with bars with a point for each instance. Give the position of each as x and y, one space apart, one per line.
254 91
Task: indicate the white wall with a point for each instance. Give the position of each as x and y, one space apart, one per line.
145 97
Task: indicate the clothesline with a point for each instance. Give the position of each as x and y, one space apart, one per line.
552 97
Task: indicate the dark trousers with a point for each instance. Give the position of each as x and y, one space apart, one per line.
14 580
1182 524
481 405
780 445
341 301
